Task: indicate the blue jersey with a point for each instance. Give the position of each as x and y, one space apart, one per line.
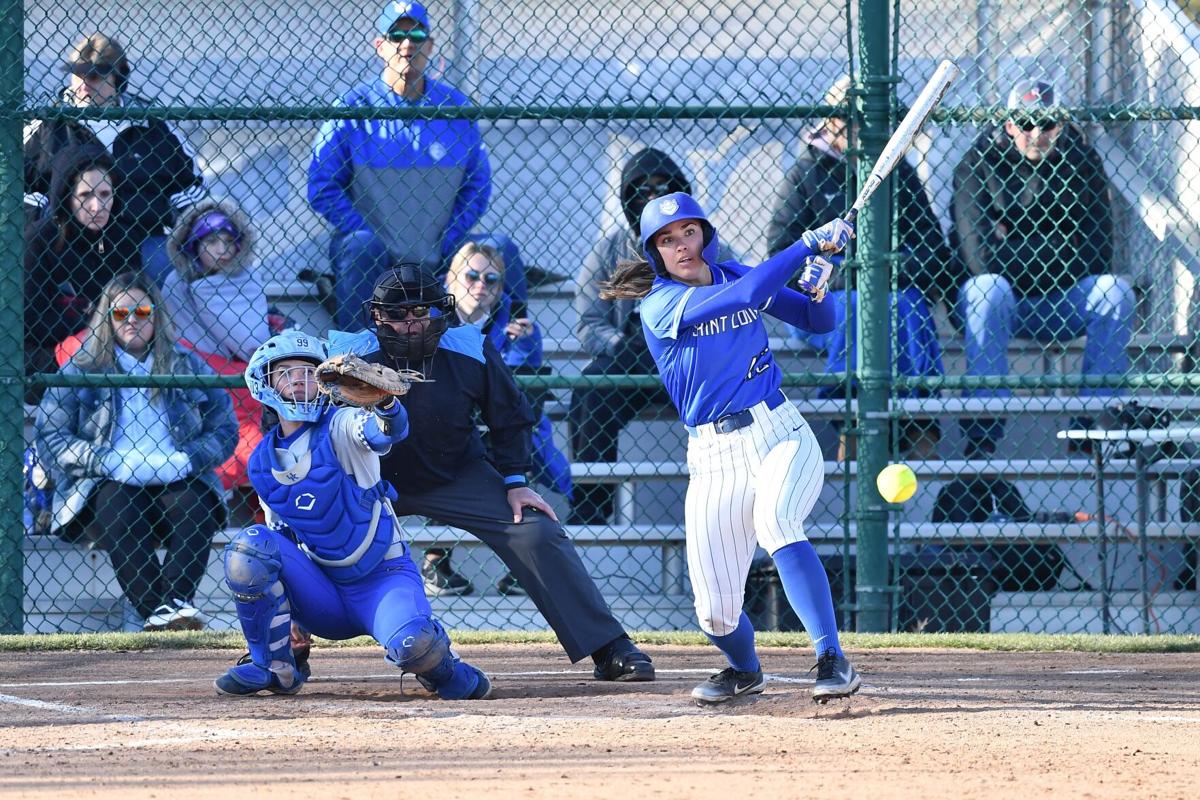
715 367
709 342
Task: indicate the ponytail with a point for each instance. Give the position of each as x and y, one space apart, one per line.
630 281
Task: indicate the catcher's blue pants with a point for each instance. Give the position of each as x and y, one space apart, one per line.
377 605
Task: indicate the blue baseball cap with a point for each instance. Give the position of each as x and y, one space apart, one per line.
396 10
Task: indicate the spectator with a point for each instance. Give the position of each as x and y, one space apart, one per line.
133 467
476 281
76 247
611 333
397 190
1033 215
220 309
157 169
815 191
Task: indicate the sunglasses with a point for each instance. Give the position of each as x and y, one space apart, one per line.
403 313
121 313
489 278
651 189
416 36
1045 125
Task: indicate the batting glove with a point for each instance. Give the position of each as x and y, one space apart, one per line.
832 237
815 275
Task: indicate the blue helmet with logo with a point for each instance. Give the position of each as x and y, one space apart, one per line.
289 344
661 212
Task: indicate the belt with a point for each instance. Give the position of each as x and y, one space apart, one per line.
736 421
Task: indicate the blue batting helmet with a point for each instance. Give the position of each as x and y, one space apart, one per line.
661 212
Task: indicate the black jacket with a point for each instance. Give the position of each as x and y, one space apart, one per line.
1043 225
152 162
814 193
67 265
467 383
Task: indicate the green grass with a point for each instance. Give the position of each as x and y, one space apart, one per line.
1005 642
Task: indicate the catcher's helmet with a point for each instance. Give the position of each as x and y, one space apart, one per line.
661 212
406 290
289 344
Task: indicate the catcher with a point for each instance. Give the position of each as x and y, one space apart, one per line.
332 555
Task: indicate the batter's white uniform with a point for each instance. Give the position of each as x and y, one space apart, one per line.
756 468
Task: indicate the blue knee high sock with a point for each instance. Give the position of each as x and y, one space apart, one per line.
807 588
738 646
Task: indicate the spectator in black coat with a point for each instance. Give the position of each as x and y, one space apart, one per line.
158 171
72 252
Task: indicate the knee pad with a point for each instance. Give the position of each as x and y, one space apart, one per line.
252 562
420 646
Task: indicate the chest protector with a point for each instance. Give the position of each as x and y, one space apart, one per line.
342 527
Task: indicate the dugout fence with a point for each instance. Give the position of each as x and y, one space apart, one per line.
1070 220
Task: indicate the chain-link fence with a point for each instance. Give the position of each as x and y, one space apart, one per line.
1030 270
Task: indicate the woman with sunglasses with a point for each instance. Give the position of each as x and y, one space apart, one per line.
133 467
476 281
72 251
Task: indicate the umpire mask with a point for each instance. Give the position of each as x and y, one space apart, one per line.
409 311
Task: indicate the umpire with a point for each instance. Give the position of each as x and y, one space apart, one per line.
443 471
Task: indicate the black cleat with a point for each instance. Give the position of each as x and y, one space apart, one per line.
442 581
728 684
836 677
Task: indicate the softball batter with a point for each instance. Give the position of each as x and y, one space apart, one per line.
755 467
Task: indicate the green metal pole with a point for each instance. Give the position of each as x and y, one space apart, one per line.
12 365
874 372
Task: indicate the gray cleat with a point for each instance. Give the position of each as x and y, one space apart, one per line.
728 684
836 677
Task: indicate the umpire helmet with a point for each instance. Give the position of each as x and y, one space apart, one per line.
408 289
661 212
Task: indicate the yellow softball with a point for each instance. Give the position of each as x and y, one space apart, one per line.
896 483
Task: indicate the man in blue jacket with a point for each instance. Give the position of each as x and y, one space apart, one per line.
366 173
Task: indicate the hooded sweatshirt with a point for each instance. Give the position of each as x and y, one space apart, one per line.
604 324
224 314
67 265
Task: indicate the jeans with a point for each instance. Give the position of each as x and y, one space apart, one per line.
1099 307
358 260
916 350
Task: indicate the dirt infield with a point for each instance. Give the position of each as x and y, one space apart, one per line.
927 724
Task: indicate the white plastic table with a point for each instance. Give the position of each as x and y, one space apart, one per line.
1109 440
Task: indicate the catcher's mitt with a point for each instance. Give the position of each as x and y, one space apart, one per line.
350 381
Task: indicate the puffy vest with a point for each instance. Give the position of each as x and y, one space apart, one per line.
342 527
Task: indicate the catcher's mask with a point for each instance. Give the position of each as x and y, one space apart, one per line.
661 212
289 344
411 296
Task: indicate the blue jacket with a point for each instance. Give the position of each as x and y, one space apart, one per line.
74 429
419 185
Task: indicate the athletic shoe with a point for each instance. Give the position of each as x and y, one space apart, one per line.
440 580
624 662
177 615
728 684
509 587
250 679
836 677
300 654
484 688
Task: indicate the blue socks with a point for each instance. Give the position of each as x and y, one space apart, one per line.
807 588
738 646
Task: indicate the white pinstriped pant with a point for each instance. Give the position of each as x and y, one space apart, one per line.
758 483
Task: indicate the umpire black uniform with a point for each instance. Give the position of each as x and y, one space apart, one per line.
443 471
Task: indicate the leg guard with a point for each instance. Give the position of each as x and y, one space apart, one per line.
422 647
252 569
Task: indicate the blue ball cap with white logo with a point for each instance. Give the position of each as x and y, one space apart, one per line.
396 10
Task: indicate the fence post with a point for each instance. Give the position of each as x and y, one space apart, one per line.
874 340
12 366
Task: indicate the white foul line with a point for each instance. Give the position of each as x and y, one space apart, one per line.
65 709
